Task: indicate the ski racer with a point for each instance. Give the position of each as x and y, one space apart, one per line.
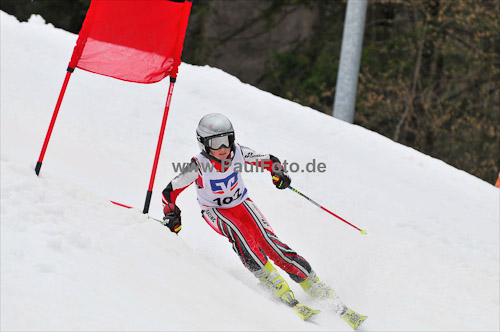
226 207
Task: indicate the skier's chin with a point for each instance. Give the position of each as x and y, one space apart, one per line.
221 155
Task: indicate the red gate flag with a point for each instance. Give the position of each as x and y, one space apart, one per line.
133 40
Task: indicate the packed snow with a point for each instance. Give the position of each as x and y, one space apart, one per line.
71 260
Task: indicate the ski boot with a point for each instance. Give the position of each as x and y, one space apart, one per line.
316 288
271 279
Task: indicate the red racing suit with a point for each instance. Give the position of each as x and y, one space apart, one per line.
226 207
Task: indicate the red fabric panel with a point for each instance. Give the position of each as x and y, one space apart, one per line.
132 40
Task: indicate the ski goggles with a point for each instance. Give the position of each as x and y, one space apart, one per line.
217 142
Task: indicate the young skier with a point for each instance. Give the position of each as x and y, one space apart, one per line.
227 208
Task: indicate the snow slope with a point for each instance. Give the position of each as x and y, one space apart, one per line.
71 260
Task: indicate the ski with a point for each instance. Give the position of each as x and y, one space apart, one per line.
304 311
350 316
353 318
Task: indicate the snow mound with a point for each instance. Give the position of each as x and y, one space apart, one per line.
71 260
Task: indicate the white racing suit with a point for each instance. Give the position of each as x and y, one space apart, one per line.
225 206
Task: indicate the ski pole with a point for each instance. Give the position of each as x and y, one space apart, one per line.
161 222
363 231
129 207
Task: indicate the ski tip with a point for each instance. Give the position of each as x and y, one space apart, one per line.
312 314
305 312
354 319
361 320
363 232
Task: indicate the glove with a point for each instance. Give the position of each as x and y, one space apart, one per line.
280 178
172 218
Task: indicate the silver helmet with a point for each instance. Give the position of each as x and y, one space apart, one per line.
214 131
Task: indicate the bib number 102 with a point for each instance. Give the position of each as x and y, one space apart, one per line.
228 199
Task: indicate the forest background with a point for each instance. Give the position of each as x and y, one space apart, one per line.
429 75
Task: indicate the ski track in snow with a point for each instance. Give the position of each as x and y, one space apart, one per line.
71 260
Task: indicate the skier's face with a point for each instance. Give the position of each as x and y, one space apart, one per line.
221 153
